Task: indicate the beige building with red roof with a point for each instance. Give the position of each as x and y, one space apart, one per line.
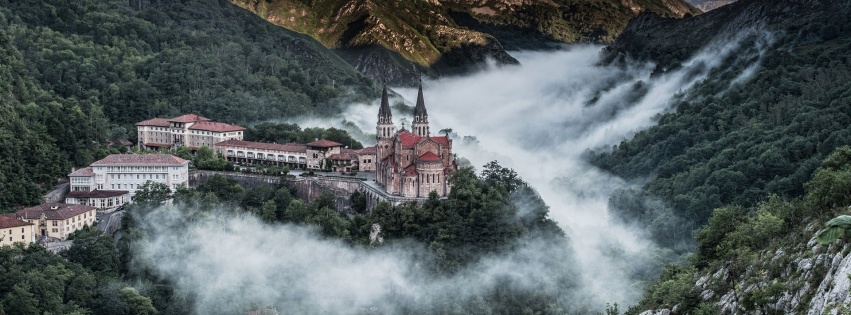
57 220
188 130
412 163
14 230
320 149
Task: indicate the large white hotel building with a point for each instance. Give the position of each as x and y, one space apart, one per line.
113 180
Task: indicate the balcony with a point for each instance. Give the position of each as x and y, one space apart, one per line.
230 153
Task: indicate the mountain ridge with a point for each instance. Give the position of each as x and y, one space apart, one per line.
756 160
451 36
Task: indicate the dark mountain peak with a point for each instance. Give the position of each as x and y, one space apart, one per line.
442 37
652 37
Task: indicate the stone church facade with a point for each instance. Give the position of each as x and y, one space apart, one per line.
412 163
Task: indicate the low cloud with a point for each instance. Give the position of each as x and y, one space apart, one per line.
540 119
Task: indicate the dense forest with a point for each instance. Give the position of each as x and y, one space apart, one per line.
730 143
745 167
292 133
484 216
76 75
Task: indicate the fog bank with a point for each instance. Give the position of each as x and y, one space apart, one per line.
540 118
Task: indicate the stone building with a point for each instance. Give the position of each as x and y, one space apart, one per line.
188 130
412 163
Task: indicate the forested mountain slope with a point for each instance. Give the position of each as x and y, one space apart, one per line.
739 159
736 140
450 36
41 134
82 72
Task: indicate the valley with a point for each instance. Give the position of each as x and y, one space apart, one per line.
635 157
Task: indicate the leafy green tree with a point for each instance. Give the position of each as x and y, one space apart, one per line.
20 300
834 229
137 304
268 211
358 202
95 251
183 153
224 188
831 184
152 194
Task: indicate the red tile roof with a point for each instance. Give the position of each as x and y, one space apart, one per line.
429 157
62 211
141 159
392 161
86 171
188 118
289 147
441 139
411 170
343 157
366 151
157 122
409 139
322 143
215 126
10 221
97 193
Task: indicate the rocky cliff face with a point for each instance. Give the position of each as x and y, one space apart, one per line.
709 5
808 279
396 40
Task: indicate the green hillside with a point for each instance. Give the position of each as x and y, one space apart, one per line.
735 144
80 73
748 162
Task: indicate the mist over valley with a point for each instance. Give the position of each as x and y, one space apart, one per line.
426 157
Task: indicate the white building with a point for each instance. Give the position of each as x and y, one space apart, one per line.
188 130
107 178
292 155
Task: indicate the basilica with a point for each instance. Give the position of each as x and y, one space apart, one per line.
412 163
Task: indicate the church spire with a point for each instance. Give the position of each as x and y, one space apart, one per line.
384 128
384 114
420 124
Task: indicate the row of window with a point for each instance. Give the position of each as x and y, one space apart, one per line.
137 169
138 176
11 240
